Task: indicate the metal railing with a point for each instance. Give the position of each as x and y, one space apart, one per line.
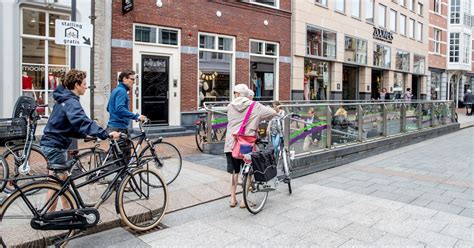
315 126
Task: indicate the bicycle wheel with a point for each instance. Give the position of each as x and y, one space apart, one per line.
200 136
3 173
88 161
36 161
16 215
284 163
254 198
140 205
165 157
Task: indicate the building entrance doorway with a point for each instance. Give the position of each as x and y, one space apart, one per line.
350 83
415 85
376 84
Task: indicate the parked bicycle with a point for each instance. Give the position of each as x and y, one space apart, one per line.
23 157
258 180
164 156
56 212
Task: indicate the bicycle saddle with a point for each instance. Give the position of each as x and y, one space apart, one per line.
61 167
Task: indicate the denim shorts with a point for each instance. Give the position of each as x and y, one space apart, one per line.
54 155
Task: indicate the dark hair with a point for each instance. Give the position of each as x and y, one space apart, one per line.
408 89
125 74
74 77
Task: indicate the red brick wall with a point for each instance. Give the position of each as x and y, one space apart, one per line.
441 22
244 21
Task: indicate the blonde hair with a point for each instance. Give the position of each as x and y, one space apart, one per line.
341 112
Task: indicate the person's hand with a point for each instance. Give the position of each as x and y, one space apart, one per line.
114 135
142 118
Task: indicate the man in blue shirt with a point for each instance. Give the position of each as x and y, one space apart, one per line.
118 107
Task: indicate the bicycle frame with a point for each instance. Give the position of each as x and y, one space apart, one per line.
24 168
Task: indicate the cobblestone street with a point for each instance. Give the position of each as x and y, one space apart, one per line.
417 196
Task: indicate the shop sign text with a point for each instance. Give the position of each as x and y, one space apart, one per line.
383 35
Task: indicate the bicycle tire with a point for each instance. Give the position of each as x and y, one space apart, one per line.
200 136
136 206
4 171
165 157
248 185
87 161
37 162
15 217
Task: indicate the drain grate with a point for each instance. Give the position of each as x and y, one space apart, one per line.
157 228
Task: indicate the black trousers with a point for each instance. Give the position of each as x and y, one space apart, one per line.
124 144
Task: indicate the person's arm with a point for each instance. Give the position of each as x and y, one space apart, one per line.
121 108
266 112
79 120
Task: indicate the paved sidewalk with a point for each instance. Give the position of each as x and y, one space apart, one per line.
417 196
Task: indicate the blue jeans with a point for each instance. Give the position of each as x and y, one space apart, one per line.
54 155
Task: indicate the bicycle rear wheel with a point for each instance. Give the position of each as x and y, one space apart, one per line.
254 198
165 157
200 136
15 216
3 174
140 205
36 161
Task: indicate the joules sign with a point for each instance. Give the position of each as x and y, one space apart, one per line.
383 35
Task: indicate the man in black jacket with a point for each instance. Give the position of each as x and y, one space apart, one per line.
468 100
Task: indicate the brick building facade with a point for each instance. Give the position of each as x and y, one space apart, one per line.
188 52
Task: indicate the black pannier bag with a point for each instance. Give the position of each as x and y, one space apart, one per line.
12 129
264 165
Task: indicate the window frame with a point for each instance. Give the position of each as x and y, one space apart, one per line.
325 4
409 58
383 56
457 9
372 12
356 49
422 72
453 58
404 18
358 16
384 15
276 65
437 6
411 28
277 4
437 40
419 9
323 30
419 31
343 11
158 35
393 29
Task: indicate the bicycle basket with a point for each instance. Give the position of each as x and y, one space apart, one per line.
25 106
12 129
264 165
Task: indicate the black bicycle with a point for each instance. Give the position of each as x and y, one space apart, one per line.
56 212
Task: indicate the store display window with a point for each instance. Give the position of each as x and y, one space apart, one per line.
43 62
316 79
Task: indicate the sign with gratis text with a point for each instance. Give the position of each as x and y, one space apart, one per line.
73 33
383 35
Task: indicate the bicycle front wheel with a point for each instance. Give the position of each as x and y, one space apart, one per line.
254 197
16 214
165 157
36 162
88 161
140 205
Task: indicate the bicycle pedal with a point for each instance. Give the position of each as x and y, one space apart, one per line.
266 188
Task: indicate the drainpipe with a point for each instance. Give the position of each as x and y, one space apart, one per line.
92 85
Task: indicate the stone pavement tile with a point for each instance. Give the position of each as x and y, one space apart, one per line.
267 219
310 205
214 238
464 244
294 228
432 238
330 223
431 190
451 187
193 228
418 211
353 243
385 195
384 181
300 214
408 192
130 243
337 185
362 233
114 236
361 190
281 240
468 212
321 238
463 203
177 240
364 219
426 224
243 243
454 219
437 198
449 208
383 203
339 179
150 237
399 229
406 199
404 185
420 202
390 240
459 195
240 228
359 183
459 232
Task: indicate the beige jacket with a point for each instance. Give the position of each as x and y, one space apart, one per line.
236 112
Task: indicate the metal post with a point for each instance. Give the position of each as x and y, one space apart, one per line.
403 118
359 122
286 132
91 80
453 112
445 113
329 126
209 125
419 116
73 145
385 120
432 109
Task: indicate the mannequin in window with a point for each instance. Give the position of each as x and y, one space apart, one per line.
256 82
27 81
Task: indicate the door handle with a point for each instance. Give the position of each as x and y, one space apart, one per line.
167 95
